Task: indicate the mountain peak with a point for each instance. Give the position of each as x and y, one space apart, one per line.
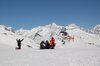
2 26
6 28
73 26
96 29
97 26
53 24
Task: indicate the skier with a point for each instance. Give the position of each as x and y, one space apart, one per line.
19 43
52 43
47 44
42 45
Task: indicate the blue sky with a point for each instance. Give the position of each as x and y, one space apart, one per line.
32 13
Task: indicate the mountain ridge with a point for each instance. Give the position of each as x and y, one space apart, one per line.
34 36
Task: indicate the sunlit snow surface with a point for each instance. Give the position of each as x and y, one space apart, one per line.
57 57
84 51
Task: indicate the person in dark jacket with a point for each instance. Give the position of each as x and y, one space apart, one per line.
42 45
19 43
47 44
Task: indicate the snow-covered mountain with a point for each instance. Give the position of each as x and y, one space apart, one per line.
96 29
34 36
8 36
83 51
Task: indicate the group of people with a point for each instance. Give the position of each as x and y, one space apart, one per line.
48 45
43 45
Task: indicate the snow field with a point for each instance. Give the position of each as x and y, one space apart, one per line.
57 57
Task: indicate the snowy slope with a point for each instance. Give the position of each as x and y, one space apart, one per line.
83 36
58 57
8 37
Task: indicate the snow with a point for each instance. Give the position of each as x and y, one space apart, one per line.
96 29
34 36
57 57
83 51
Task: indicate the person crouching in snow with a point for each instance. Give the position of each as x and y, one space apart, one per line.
52 43
47 44
19 43
42 45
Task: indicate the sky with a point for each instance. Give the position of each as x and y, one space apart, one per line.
28 14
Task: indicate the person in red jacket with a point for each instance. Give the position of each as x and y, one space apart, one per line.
52 43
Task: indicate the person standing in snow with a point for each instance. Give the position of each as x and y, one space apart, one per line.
19 43
52 43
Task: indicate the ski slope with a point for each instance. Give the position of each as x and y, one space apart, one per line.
57 57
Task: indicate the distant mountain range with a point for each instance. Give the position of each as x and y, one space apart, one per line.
34 36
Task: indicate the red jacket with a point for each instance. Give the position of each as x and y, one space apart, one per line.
52 41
